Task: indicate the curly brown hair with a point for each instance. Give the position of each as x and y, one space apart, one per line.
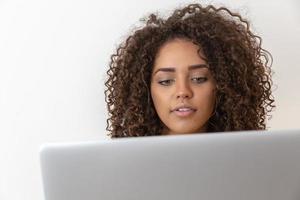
238 63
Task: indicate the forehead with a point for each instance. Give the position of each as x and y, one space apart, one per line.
178 52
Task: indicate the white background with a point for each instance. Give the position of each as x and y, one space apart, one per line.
53 59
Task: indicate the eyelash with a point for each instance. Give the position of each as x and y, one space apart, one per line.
200 79
166 82
197 80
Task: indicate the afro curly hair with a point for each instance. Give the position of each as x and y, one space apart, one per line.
236 60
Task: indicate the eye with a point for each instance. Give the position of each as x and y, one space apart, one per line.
166 82
199 80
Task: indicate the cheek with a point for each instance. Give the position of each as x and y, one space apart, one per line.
212 100
207 99
154 96
159 98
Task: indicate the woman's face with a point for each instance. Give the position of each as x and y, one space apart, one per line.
182 88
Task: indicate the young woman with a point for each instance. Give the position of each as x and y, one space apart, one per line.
200 70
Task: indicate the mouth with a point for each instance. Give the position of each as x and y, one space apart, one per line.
183 111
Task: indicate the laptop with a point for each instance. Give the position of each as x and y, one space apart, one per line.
247 165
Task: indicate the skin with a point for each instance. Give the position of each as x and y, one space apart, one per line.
182 88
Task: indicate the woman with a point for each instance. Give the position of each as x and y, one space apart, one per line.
199 70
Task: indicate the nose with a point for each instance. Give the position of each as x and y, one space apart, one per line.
183 90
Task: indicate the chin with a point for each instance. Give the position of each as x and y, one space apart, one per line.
182 132
187 131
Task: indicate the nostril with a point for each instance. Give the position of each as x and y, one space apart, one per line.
182 96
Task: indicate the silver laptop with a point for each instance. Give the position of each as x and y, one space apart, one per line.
220 166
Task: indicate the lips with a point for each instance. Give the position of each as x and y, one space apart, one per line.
183 110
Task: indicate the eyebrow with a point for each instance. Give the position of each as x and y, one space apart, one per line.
172 69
